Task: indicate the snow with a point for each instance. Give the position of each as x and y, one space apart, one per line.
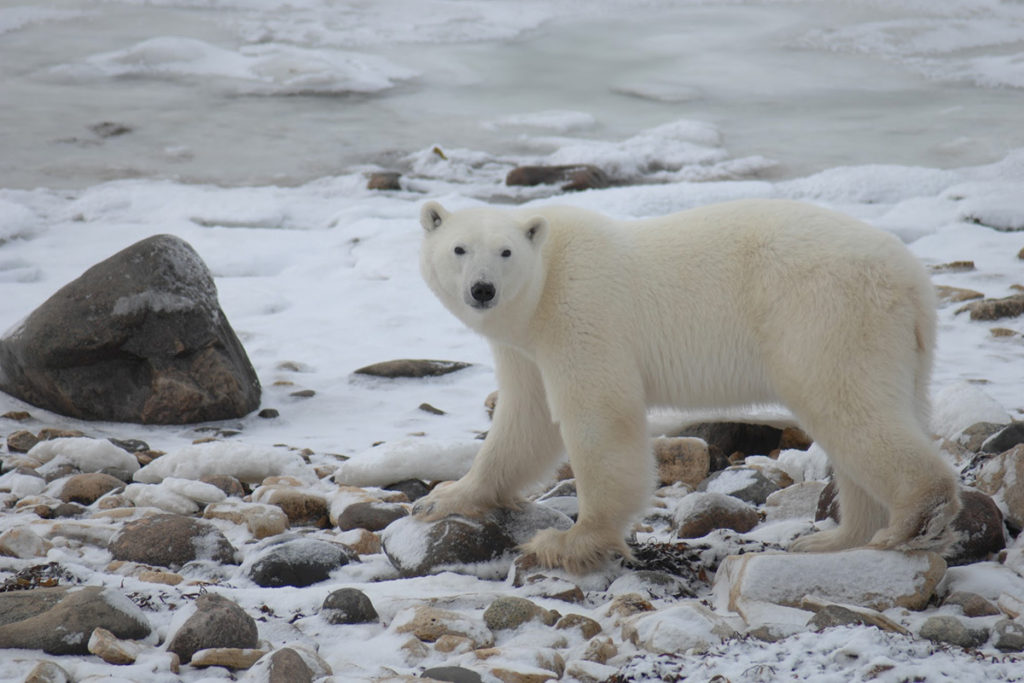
253 124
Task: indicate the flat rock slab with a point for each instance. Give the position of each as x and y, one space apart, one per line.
878 579
61 620
139 337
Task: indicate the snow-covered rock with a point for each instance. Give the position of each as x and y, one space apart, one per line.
408 459
85 455
688 627
246 462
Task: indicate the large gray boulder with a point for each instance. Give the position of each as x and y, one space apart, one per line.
139 337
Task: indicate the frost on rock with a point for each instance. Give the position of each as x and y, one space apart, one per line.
247 463
408 459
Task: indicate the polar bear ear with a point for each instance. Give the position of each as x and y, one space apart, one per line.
536 230
432 215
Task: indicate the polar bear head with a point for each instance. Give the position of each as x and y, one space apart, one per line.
480 261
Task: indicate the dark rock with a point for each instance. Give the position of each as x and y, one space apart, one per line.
139 337
979 529
995 309
131 445
68 510
384 180
414 489
21 441
1005 439
348 606
288 666
972 604
226 483
698 514
60 620
1009 636
749 439
417 548
746 483
171 541
828 503
951 630
427 408
416 369
303 393
88 488
451 674
372 516
110 129
291 561
570 177
217 622
269 413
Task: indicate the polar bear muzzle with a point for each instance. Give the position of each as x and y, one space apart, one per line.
482 294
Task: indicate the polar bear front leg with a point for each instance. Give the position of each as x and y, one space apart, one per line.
520 448
609 451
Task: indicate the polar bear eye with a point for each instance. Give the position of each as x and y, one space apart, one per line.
459 251
506 253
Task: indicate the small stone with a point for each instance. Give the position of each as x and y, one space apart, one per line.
372 516
978 529
269 413
569 177
587 626
47 672
1005 439
110 129
348 606
111 649
681 459
995 309
89 487
832 615
430 623
217 623
170 541
1002 332
301 507
746 483
262 521
228 657
508 613
956 295
384 180
698 514
164 578
972 604
427 408
600 650
629 604
17 415
947 629
21 441
23 543
953 267
414 489
412 368
226 483
1009 636
296 562
795 438
451 674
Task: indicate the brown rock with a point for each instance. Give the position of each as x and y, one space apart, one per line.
953 267
170 541
301 507
732 437
217 623
978 528
21 441
570 177
228 657
139 337
430 623
412 368
698 514
384 180
225 483
681 459
112 649
88 488
587 626
956 295
995 309
972 604
795 438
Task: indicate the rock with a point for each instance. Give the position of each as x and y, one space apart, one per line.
681 459
796 501
956 295
570 177
653 584
23 543
301 507
627 605
47 672
831 615
21 441
978 530
217 622
995 309
947 629
81 454
698 514
291 561
170 541
261 520
384 180
974 436
746 483
451 674
876 579
372 516
112 649
828 503
688 628
587 626
414 489
509 612
1009 636
412 368
139 337
730 437
287 666
1002 477
417 548
972 604
89 487
430 623
348 606
1005 439
226 483
60 621
228 657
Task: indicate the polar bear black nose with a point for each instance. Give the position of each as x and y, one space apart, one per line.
482 292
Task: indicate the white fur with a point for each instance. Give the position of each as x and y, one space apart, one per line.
592 321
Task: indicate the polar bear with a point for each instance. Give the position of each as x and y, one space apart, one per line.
592 321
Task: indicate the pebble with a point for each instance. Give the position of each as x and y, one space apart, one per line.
348 606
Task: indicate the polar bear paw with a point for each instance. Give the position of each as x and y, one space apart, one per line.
445 500
823 542
577 550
